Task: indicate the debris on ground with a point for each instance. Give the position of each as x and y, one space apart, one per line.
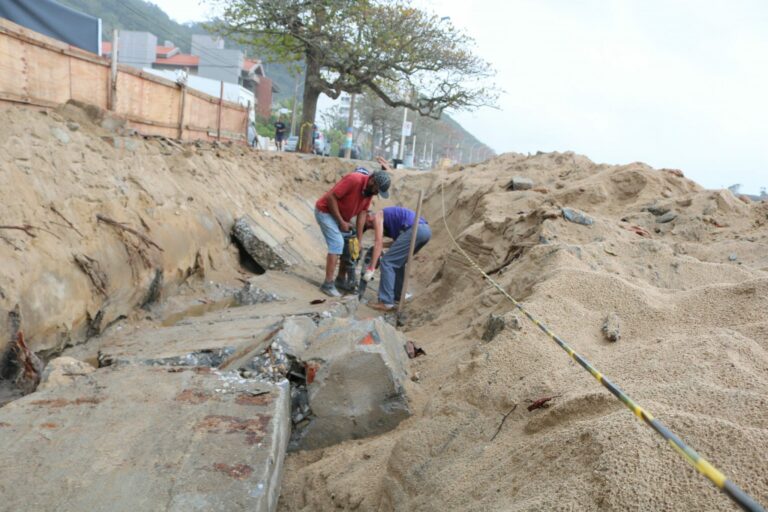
413 351
612 327
577 217
542 403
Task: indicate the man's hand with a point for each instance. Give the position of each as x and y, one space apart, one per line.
383 163
368 275
344 226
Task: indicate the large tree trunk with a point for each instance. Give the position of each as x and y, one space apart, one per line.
309 106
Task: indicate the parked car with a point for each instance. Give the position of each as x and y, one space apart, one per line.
291 143
322 146
354 154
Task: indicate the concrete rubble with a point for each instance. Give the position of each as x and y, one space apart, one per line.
262 246
199 415
355 371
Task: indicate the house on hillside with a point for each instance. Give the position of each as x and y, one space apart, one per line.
208 59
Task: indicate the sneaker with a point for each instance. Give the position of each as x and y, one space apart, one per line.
329 289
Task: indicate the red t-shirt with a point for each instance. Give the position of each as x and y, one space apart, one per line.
349 194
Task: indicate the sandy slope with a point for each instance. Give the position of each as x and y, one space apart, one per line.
182 198
694 350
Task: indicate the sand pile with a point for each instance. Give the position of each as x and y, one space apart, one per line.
684 270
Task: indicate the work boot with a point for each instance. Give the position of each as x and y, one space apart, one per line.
329 289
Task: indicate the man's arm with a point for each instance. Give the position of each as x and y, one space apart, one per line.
360 225
378 233
383 163
333 206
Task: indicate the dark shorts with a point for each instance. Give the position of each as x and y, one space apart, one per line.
279 137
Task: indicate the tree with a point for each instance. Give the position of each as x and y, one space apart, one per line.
407 57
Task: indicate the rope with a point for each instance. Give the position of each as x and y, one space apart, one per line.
741 498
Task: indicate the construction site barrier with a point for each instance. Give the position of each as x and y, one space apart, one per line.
40 71
733 491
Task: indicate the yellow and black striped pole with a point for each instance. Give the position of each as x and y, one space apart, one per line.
741 498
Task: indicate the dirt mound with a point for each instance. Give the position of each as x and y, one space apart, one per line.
684 269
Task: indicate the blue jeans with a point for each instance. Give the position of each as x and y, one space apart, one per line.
393 263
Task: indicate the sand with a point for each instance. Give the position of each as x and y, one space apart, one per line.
691 297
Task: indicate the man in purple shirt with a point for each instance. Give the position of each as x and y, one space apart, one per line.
397 223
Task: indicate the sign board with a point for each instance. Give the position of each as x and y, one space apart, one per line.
407 127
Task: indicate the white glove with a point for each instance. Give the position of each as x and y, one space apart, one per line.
368 275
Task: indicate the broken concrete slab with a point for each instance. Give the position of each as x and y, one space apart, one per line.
202 341
263 247
166 439
355 383
63 371
519 183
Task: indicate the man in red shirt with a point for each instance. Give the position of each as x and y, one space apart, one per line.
334 211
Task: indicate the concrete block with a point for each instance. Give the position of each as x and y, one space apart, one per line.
265 249
356 371
145 438
520 183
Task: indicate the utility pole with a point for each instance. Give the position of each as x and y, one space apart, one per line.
432 152
413 163
402 133
350 128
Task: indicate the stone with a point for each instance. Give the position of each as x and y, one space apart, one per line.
62 371
73 126
577 217
263 247
60 135
519 183
145 438
657 210
356 371
497 323
733 257
667 217
249 295
612 327
295 335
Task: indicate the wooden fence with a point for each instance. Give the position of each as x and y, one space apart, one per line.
43 72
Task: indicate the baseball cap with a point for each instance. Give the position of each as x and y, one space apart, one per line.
382 179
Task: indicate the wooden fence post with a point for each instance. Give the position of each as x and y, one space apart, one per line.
409 263
113 72
218 120
181 112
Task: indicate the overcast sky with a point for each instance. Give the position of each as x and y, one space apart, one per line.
681 84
